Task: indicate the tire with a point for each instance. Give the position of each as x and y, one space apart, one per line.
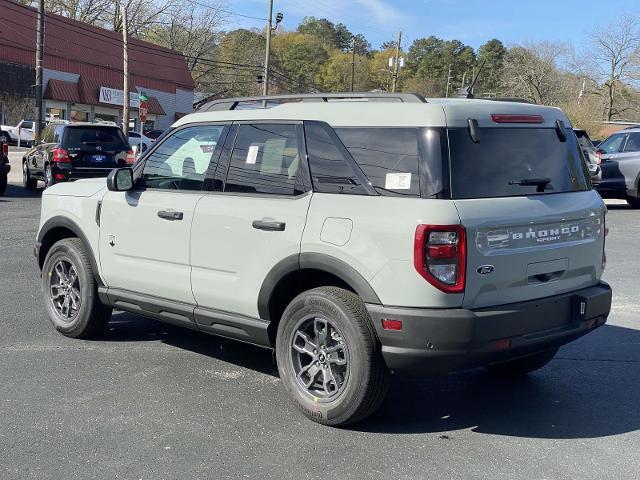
84 316
28 182
360 385
3 182
634 202
524 365
4 138
48 177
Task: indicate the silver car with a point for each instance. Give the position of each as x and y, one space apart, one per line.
619 157
589 152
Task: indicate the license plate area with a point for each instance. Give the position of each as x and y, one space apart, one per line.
99 158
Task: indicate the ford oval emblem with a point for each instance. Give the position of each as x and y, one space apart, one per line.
485 269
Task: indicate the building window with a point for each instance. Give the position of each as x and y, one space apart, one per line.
79 116
56 114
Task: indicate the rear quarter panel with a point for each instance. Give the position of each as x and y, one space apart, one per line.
375 236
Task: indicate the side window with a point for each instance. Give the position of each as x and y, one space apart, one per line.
265 159
181 161
612 144
633 143
387 156
57 134
330 171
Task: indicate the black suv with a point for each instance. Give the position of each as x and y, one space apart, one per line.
72 151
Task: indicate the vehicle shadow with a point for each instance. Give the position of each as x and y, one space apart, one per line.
127 327
17 191
590 390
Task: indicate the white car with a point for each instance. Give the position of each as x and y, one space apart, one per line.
24 130
354 238
136 139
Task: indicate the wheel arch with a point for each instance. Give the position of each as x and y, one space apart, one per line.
297 273
58 228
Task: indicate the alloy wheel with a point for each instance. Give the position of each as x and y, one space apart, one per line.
64 290
320 358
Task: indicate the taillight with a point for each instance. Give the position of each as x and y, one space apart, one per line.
598 157
130 157
60 155
5 149
440 256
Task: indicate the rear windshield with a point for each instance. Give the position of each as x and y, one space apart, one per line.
514 161
88 138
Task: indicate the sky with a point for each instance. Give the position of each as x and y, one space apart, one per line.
470 21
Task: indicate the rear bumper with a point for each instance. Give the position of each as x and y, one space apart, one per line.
436 341
77 173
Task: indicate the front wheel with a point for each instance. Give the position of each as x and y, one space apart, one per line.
634 202
70 292
524 365
329 357
28 182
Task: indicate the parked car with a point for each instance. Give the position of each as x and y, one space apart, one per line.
5 167
620 164
69 151
153 134
140 141
354 238
24 131
589 153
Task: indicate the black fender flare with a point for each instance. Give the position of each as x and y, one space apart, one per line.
316 261
64 222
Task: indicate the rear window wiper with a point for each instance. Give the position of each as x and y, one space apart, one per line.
541 183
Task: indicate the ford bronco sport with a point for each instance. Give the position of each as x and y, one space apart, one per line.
356 235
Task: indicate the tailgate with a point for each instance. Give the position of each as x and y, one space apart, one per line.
527 247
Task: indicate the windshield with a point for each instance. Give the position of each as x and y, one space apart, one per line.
88 138
612 144
513 162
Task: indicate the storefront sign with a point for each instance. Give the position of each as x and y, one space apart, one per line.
114 96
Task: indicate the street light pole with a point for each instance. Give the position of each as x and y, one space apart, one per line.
265 80
125 68
39 55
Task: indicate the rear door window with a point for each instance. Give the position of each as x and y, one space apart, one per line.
387 156
88 138
265 159
506 162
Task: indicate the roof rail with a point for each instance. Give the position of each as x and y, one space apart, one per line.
272 100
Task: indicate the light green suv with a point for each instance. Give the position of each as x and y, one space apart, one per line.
357 235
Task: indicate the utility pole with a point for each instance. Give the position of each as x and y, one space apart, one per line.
39 55
397 65
353 63
267 54
448 81
125 57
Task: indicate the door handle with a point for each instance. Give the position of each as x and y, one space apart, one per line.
269 225
170 215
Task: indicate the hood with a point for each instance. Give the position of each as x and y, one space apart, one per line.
80 188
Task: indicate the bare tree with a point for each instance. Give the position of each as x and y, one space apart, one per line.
532 71
614 51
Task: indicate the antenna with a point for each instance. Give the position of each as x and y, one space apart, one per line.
468 91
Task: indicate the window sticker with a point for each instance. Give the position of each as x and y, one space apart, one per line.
398 181
252 155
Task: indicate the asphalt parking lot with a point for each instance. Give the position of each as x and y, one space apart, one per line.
151 401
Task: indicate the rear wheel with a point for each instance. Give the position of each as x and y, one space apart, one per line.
28 182
524 365
329 357
70 291
4 138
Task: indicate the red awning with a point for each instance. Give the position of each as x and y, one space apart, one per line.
155 107
63 91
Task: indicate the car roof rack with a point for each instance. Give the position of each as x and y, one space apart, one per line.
246 103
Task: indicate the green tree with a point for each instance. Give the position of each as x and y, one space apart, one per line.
298 60
492 54
240 54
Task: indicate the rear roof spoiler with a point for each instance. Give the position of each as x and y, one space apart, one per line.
266 101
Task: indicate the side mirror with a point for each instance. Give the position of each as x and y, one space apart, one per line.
120 179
